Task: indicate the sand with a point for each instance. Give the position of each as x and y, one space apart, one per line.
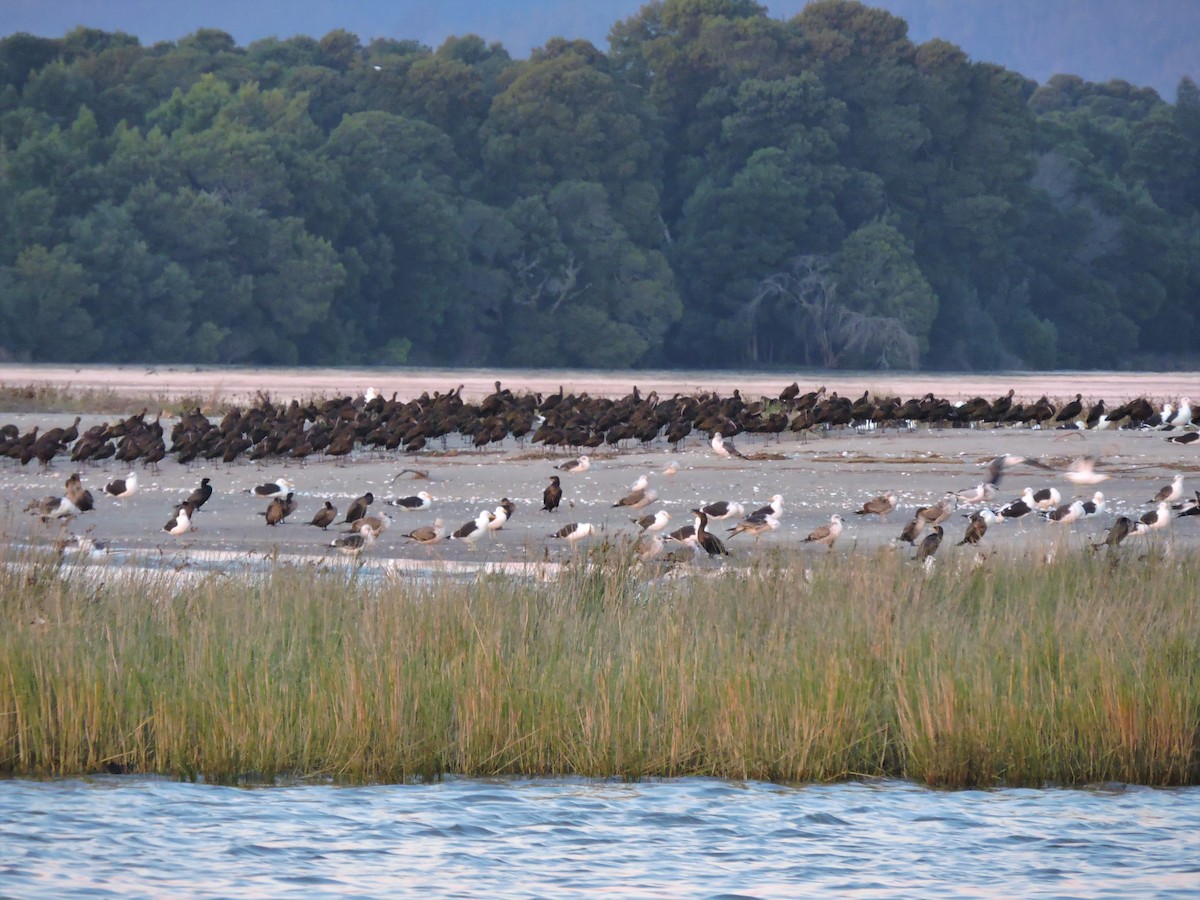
833 473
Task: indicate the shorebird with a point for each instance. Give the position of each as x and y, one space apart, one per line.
552 495
575 466
1171 492
723 448
121 488
826 534
652 523
428 534
420 500
325 516
878 506
576 531
277 488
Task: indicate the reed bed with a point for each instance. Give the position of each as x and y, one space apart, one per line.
1014 672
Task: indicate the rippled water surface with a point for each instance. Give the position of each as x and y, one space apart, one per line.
549 838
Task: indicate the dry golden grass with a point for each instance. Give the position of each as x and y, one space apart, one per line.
1013 672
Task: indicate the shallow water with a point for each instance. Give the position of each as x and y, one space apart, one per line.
140 837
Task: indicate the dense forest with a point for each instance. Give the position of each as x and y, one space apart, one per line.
720 188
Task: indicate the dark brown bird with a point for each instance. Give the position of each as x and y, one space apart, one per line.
279 509
200 495
552 495
930 544
358 508
325 516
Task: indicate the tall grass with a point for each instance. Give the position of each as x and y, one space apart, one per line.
1016 672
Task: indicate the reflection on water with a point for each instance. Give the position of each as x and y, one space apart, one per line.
552 838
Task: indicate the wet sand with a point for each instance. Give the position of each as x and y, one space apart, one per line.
833 473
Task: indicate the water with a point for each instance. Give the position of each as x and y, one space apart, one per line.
142 837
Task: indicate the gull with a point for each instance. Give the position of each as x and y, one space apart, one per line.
723 448
181 522
374 525
1095 506
1047 498
998 466
420 500
1083 471
826 534
981 493
53 508
475 529
428 534
880 506
122 487
576 531
755 525
277 488
1159 517
575 465
1171 492
1023 505
639 496
354 543
1067 514
648 545
499 517
773 508
939 512
653 523
723 509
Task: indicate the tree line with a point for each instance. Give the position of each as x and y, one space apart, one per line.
719 189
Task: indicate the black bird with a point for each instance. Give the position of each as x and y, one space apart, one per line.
325 516
975 530
200 495
358 508
930 544
1120 530
708 542
552 495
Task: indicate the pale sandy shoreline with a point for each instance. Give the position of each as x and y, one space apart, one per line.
241 385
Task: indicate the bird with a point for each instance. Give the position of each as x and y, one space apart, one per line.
1001 464
1095 506
1159 517
756 525
653 523
723 448
200 495
427 534
707 541
1047 498
640 495
910 531
358 508
53 508
1171 492
325 516
929 544
1083 471
277 488
670 469
723 509
121 488
1066 514
1189 437
1121 529
499 517
648 545
1189 507
279 509
878 506
475 529
181 522
981 493
939 512
552 495
576 531
421 500
575 466
773 508
1022 506
376 525
976 529
354 543
826 534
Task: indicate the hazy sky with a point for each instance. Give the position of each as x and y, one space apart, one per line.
1149 42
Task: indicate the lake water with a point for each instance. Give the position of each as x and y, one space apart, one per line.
144 837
